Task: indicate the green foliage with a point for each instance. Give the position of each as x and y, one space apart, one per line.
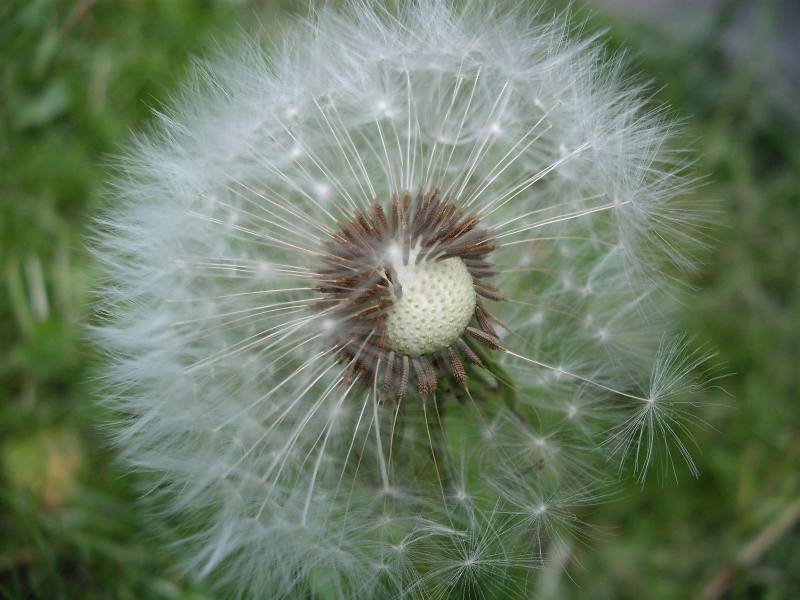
77 76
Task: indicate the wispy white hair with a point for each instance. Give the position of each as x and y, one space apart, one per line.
295 481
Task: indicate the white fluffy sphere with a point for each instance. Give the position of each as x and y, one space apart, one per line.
236 341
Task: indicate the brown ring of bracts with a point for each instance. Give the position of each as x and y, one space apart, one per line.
365 267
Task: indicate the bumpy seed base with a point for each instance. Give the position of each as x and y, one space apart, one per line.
437 303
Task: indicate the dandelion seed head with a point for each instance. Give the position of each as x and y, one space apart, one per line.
367 312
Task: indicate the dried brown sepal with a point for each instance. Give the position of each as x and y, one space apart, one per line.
477 263
456 367
388 373
468 353
402 384
464 228
484 338
487 290
379 217
483 321
478 273
472 246
426 378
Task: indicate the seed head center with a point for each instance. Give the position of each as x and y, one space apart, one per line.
435 307
400 288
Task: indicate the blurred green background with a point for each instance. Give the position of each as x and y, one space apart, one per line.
77 76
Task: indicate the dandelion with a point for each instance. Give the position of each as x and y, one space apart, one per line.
378 300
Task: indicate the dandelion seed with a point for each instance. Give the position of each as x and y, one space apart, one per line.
377 300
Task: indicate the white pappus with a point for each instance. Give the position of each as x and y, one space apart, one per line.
378 301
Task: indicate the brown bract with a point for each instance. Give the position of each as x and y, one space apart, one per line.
358 284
